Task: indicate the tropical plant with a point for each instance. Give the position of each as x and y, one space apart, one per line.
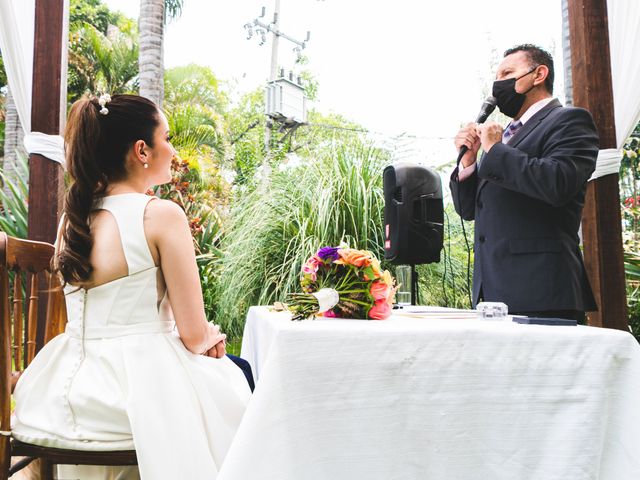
96 13
3 73
246 124
630 205
13 134
13 200
98 63
448 282
2 125
103 52
336 198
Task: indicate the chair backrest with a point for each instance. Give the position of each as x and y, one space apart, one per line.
32 311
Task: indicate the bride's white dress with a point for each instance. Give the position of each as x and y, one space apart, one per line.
120 378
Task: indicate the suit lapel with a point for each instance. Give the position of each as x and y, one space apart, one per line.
533 122
526 129
482 181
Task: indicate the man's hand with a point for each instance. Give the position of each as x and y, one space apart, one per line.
468 136
490 134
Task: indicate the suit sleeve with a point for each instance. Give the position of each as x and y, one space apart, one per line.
568 157
463 194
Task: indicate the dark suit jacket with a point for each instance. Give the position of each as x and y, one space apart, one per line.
526 198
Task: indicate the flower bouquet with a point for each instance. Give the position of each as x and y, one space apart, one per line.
343 282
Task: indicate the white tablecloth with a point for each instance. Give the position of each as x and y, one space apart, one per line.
437 399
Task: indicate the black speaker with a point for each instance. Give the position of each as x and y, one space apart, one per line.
413 214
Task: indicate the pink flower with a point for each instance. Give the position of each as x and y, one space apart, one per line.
379 291
311 267
380 310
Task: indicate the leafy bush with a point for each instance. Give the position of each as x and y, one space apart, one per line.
13 200
337 198
630 205
445 283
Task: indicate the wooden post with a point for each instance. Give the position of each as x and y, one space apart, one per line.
601 222
48 107
48 110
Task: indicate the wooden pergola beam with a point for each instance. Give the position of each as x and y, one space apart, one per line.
601 220
48 108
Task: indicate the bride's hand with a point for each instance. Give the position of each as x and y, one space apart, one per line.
218 350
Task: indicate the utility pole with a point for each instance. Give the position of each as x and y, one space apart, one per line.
262 29
275 41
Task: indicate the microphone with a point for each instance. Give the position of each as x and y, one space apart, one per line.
488 106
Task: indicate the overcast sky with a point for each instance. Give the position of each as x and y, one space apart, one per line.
410 66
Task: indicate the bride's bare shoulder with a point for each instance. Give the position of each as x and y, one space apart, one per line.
164 215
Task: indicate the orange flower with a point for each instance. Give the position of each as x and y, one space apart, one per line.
357 258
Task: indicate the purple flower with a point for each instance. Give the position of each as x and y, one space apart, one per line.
328 253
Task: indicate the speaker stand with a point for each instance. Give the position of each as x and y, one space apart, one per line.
414 285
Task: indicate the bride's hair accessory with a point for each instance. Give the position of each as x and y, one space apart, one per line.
103 100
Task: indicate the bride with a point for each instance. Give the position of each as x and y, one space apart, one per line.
138 366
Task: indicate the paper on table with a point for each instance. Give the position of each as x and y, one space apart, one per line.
434 312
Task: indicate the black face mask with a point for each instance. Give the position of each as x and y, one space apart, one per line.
509 101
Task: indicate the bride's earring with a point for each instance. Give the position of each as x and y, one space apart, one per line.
146 165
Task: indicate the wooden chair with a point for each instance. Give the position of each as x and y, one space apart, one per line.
23 331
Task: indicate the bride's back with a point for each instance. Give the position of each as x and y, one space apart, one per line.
107 255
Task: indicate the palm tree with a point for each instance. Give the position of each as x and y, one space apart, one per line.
153 16
102 63
12 140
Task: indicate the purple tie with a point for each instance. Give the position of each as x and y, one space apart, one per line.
510 131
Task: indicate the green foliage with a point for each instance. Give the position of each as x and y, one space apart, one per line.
98 63
3 73
336 198
246 126
93 12
445 283
193 103
13 200
2 127
630 204
172 9
103 50
194 84
311 84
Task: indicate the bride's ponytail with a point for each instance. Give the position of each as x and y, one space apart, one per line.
98 137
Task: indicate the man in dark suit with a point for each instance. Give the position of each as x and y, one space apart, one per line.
526 193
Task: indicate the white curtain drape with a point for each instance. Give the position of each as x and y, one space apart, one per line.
624 40
608 162
17 18
624 45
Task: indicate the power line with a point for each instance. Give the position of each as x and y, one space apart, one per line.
373 132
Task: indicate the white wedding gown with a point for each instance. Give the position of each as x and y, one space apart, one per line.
120 378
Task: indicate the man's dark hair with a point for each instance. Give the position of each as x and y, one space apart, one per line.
537 56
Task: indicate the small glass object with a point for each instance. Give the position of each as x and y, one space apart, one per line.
492 311
403 280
